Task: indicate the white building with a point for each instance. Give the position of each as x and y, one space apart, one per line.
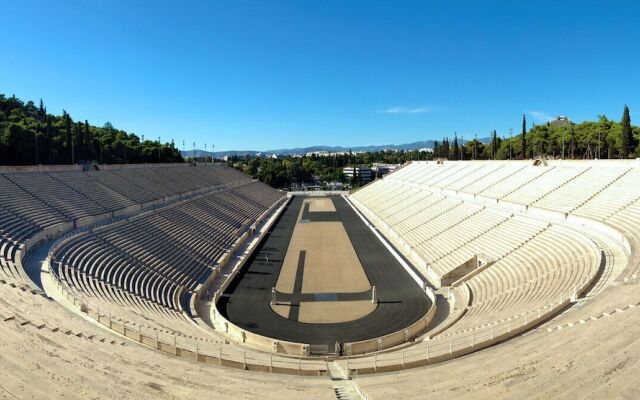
363 174
380 169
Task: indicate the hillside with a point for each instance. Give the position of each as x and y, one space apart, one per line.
30 135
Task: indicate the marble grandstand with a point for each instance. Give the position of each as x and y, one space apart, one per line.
534 263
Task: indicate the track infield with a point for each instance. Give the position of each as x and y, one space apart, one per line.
323 261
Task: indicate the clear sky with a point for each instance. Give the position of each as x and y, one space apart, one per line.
275 74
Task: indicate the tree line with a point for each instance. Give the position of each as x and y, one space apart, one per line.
30 135
602 139
289 171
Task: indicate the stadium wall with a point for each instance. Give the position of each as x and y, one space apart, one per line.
395 338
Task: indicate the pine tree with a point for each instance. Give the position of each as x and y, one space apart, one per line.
626 149
42 113
494 144
456 147
548 144
475 147
445 148
524 137
86 141
77 141
69 141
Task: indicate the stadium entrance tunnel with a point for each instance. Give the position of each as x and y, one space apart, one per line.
322 280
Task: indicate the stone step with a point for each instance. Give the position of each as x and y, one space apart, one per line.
344 390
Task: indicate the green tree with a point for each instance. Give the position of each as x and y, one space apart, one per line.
626 135
444 149
69 137
42 112
523 142
456 147
494 144
572 144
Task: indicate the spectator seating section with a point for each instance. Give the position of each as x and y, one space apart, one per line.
159 256
444 214
31 202
134 269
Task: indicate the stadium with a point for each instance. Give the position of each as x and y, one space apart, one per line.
341 200
475 272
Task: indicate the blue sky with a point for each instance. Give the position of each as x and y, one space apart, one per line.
262 75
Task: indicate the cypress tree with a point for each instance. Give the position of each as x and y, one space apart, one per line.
41 111
524 137
456 147
67 127
626 149
494 144
77 141
86 145
475 147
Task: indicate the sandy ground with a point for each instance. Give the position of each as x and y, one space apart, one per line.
333 311
320 205
324 312
282 309
331 266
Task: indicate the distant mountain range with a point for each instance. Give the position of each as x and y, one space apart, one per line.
312 149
